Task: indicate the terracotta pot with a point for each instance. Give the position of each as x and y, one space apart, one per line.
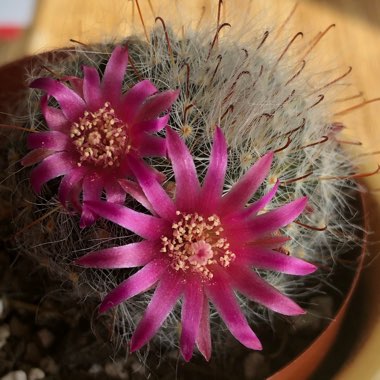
363 362
13 83
308 362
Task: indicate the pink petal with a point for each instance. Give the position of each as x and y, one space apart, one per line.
268 259
72 105
126 256
156 195
53 140
243 190
51 167
133 99
114 74
75 196
191 316
222 296
136 284
262 202
91 88
275 219
125 171
54 117
92 191
68 187
187 184
135 191
204 334
156 105
146 226
151 126
271 241
162 303
75 82
266 223
149 146
35 156
114 192
256 289
213 183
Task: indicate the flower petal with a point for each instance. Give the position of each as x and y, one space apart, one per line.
270 241
164 298
213 183
149 146
268 259
146 226
72 105
135 191
262 202
247 185
156 105
126 256
256 289
92 191
133 99
55 119
266 223
35 156
191 316
114 74
54 140
136 284
75 82
222 296
91 88
151 126
157 196
275 219
70 186
187 184
204 334
114 192
51 167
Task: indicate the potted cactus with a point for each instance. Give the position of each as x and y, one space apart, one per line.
196 188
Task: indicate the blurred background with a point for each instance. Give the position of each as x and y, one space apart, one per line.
33 26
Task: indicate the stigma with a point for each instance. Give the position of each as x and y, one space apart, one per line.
197 245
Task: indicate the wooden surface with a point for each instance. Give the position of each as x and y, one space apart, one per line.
355 41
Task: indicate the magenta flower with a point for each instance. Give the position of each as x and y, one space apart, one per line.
95 131
200 246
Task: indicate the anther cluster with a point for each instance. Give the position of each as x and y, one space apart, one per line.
100 137
197 244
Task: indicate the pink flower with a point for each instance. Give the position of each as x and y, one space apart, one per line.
95 131
200 246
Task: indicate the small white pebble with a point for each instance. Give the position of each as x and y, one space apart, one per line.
15 375
137 367
116 369
46 337
5 332
95 369
49 365
36 374
3 307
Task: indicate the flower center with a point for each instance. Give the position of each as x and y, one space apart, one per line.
196 244
100 138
